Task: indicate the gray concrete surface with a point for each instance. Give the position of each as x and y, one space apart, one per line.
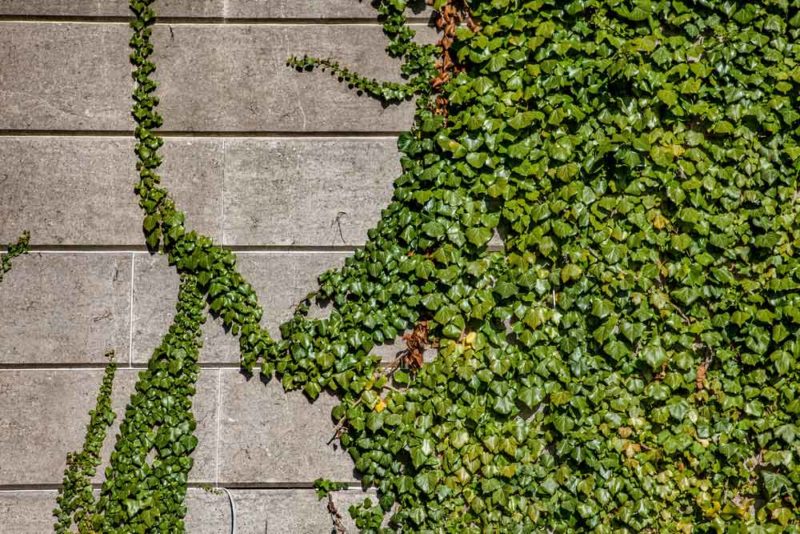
213 77
290 191
231 9
276 511
65 309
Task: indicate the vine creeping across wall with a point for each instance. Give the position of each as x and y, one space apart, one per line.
22 246
627 362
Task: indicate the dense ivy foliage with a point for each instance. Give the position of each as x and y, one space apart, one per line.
14 250
629 360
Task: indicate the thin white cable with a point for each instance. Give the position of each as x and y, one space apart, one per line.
233 509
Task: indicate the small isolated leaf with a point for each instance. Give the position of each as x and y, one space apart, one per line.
722 127
459 438
427 481
433 229
783 361
775 483
522 120
503 405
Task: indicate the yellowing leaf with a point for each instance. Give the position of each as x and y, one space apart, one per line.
469 340
659 221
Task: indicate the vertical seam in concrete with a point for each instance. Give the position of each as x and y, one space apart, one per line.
217 434
130 333
222 206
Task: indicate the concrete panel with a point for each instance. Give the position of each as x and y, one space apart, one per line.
307 192
269 436
281 511
27 512
64 77
44 413
214 78
65 308
281 280
244 83
79 190
287 191
231 9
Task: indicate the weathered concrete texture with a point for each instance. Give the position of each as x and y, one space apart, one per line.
244 83
79 190
233 9
65 308
281 281
64 76
290 191
27 512
263 436
292 511
213 78
44 413
269 436
307 192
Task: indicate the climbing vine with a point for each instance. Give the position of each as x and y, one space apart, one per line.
22 246
627 362
76 502
418 60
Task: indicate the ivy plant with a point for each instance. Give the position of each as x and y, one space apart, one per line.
22 246
76 502
628 361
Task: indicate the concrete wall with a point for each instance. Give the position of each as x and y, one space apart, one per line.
290 169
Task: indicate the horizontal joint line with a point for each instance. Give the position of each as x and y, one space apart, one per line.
94 366
134 249
265 486
205 21
201 134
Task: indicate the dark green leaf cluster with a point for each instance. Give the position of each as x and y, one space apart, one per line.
145 486
17 249
76 502
324 487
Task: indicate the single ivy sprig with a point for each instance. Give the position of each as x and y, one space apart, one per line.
389 92
418 61
22 246
324 487
76 501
